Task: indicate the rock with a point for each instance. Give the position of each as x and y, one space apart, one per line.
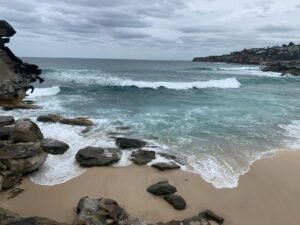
125 143
6 30
10 179
15 192
52 118
142 157
22 157
102 212
86 130
5 133
176 201
6 216
2 167
54 147
162 188
91 156
210 215
79 121
166 166
6 120
20 106
26 131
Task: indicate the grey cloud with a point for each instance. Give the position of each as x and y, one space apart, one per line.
275 29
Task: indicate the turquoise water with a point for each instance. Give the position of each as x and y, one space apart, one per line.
219 118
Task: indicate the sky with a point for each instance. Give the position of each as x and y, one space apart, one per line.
148 29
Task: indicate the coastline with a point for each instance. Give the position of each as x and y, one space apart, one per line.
268 194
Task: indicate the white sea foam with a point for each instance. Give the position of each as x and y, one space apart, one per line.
43 92
292 132
244 70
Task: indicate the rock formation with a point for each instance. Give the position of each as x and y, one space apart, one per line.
15 75
284 59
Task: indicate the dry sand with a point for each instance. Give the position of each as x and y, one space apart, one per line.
267 195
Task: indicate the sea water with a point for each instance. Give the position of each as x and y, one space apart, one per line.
217 118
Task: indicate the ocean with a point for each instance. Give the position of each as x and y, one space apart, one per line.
217 118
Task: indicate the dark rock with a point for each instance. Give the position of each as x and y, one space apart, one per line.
22 157
20 106
79 121
142 157
102 212
86 130
54 147
10 179
162 188
91 156
125 143
26 131
2 167
15 192
176 201
5 133
166 166
6 216
6 30
6 120
210 215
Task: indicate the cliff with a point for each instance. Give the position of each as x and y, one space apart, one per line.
15 75
283 59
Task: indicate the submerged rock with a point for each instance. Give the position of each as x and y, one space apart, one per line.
142 157
6 120
54 147
22 157
125 143
102 212
162 188
176 201
166 166
91 156
26 131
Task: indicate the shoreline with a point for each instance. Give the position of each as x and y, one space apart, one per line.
268 194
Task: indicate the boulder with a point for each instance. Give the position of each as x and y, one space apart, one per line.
176 201
162 188
26 131
6 120
6 30
91 156
102 212
10 179
20 105
22 157
51 118
125 143
6 216
54 147
5 133
142 157
166 166
210 215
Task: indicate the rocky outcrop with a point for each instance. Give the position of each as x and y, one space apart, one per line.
54 147
78 121
176 201
22 157
10 218
142 157
162 188
125 143
15 75
91 156
102 212
284 59
26 131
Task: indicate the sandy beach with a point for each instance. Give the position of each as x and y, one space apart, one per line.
269 194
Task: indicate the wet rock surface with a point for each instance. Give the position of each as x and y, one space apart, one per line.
26 131
126 143
53 118
166 166
142 157
6 120
54 147
176 201
91 156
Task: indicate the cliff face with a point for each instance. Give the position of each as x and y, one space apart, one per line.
15 75
283 59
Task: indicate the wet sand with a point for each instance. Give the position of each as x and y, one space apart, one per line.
269 194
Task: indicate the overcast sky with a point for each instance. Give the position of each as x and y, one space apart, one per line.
148 29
